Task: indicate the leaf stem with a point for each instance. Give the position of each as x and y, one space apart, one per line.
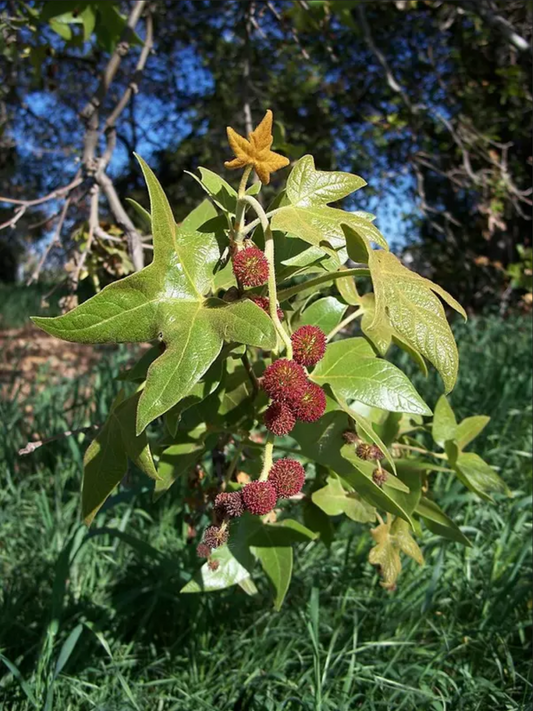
344 323
272 287
285 294
252 225
238 233
268 457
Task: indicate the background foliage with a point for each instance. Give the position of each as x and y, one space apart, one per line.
429 100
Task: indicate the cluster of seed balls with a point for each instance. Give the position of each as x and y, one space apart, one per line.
369 453
285 479
294 397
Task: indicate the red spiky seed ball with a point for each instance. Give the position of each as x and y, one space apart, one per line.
259 497
250 267
229 504
309 345
279 419
287 477
311 405
264 303
214 537
285 381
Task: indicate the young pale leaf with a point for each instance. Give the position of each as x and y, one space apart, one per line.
478 476
308 216
438 523
307 186
217 188
408 302
334 500
325 313
167 300
354 374
469 428
106 458
444 423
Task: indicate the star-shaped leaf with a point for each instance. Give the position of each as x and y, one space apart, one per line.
391 538
408 302
308 215
169 300
256 150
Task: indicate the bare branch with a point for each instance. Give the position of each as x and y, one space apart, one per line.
483 10
32 446
56 240
93 223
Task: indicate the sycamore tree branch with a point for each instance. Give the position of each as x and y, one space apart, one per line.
54 242
483 10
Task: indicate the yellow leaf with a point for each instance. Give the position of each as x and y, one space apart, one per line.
255 150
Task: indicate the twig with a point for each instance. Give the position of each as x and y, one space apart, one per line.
32 446
25 204
56 240
93 223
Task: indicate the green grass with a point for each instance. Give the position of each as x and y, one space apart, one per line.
97 622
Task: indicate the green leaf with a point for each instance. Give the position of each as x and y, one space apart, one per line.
444 426
137 374
323 226
230 572
177 460
354 374
63 30
438 523
218 189
142 213
169 300
203 388
348 290
316 520
88 17
322 442
407 302
334 501
379 334
106 458
469 428
276 561
307 186
478 476
364 427
312 284
325 313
